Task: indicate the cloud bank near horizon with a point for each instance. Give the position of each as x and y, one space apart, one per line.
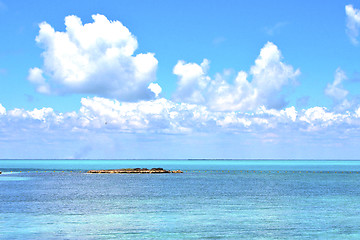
105 128
166 117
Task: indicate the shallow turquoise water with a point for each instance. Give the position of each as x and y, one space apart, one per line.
220 200
317 165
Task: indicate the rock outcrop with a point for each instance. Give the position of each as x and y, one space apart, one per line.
136 170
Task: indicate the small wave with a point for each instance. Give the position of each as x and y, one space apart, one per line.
9 173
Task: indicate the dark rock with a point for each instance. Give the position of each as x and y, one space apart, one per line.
155 169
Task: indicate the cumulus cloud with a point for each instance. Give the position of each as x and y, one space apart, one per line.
192 81
43 114
352 23
269 75
320 115
93 58
158 115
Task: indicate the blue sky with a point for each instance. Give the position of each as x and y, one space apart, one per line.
179 79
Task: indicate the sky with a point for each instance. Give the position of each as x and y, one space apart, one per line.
179 79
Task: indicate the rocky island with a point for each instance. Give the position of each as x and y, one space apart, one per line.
136 170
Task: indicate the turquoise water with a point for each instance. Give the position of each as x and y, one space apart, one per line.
213 199
316 165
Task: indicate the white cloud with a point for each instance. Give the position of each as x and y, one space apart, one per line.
192 81
269 76
113 128
287 113
155 88
164 116
335 90
318 114
36 77
93 58
338 93
319 118
2 110
352 23
44 115
357 112
156 115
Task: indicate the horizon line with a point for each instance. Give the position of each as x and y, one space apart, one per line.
191 159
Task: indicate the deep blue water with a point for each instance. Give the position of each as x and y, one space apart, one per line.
215 199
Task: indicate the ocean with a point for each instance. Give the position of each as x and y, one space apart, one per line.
212 199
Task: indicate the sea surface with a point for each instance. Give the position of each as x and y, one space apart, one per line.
212 199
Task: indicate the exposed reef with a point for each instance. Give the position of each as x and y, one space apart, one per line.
136 170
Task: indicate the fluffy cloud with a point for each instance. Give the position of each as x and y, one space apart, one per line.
111 129
352 23
158 115
94 58
335 90
192 81
164 116
155 88
338 93
36 77
269 76
321 117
